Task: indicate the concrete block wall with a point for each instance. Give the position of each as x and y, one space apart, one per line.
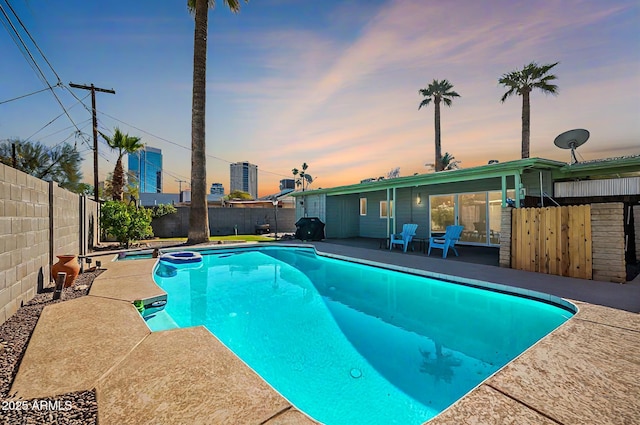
223 220
505 237
24 238
607 236
65 221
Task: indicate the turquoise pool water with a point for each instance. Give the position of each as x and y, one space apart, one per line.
349 343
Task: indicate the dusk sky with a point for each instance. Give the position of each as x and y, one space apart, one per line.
331 83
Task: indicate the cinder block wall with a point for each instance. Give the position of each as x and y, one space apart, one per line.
24 238
223 220
607 235
65 221
505 237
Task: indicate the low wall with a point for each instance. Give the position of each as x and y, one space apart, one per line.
223 221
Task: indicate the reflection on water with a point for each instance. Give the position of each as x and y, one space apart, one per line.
439 365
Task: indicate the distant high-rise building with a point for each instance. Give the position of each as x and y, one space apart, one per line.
216 189
244 177
287 184
145 170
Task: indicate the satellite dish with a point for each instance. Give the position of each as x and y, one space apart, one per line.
571 140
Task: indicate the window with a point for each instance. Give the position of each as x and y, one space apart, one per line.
384 209
442 212
363 206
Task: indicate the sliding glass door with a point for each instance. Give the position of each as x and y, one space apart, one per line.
478 212
442 212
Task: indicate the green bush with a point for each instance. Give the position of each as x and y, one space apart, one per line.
163 209
125 222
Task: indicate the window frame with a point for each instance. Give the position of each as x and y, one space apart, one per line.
363 206
383 205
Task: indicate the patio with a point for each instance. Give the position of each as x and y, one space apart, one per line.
586 371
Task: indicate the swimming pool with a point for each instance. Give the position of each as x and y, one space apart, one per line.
351 343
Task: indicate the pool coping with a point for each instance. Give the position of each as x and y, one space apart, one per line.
534 388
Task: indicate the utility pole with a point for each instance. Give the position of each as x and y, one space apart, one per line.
180 185
95 130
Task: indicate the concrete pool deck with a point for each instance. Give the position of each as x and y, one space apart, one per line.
587 371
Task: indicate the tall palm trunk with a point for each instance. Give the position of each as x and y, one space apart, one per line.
198 215
526 123
117 182
438 161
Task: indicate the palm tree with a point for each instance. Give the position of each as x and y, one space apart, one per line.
438 91
449 162
522 82
123 143
304 177
198 213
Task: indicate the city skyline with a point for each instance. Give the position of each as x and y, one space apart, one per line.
333 84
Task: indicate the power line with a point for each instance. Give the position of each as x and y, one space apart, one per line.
23 96
94 89
185 147
30 59
34 42
53 120
147 162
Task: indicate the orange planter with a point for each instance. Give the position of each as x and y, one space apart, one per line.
67 264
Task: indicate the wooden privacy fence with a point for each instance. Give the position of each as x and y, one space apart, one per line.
554 240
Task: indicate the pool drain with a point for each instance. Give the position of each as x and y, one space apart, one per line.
356 373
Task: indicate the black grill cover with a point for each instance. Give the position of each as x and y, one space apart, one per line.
309 229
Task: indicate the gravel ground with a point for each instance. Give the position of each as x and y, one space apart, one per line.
71 408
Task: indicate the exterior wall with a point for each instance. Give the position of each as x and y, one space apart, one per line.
145 166
404 210
24 238
531 182
607 234
407 211
371 225
636 221
343 216
312 206
244 177
505 237
222 221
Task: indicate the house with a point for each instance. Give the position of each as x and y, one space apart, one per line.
472 197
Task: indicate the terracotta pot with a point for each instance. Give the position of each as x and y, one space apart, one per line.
67 264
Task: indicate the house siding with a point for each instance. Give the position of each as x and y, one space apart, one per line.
343 216
315 206
371 225
531 182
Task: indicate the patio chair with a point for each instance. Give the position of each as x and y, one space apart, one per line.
446 241
403 238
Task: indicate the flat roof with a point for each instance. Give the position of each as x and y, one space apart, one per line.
450 176
560 170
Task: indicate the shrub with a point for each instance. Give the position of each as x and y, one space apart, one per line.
125 222
163 209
